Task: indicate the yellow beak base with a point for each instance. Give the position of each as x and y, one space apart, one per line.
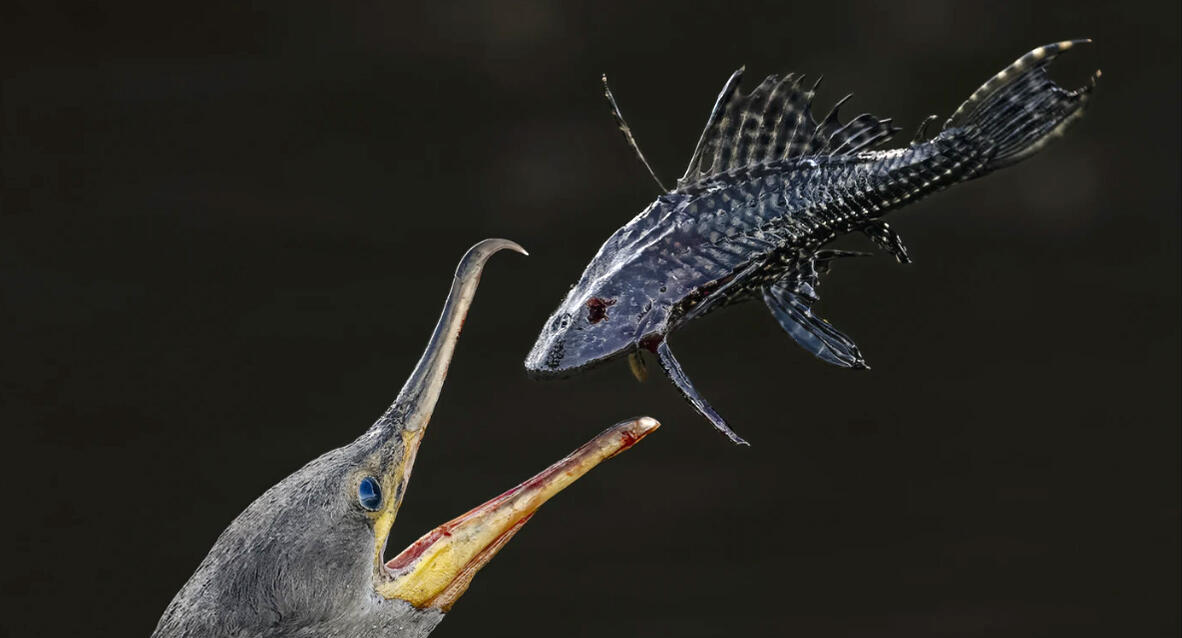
436 570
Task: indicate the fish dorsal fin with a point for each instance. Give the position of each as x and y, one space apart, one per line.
774 122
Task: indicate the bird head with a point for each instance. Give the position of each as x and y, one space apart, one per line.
307 557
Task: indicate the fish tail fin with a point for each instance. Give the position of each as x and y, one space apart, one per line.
1021 109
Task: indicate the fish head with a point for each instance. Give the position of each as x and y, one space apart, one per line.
592 326
617 301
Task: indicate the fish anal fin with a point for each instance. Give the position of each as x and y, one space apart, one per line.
810 331
887 239
677 376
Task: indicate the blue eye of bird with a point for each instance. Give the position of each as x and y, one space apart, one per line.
369 493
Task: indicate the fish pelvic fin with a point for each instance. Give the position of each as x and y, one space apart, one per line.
793 311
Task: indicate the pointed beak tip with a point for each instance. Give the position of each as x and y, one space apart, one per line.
625 434
435 570
645 424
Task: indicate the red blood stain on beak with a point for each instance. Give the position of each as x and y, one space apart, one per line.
628 440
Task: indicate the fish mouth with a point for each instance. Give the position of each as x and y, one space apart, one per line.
435 570
548 360
548 355
563 350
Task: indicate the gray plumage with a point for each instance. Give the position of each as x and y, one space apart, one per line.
305 559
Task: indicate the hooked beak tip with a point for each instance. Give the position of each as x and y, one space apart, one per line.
489 246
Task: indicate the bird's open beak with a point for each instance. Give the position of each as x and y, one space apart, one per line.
437 569
405 421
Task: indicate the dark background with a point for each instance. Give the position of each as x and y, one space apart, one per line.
227 231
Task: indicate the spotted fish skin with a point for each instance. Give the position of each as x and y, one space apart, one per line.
771 222
766 189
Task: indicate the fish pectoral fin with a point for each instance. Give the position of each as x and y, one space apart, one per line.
677 376
887 239
813 333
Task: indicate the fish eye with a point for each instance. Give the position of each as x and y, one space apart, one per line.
597 309
369 493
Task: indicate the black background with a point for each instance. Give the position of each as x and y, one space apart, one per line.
227 230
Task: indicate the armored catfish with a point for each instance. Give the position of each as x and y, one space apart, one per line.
766 189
